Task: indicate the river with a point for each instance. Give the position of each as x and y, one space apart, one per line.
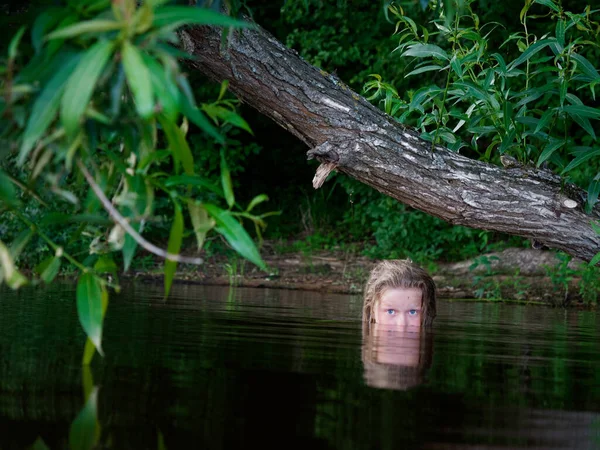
215 368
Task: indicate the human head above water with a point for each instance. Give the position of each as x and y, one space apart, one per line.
399 282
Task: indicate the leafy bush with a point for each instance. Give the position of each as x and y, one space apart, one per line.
528 99
399 231
94 117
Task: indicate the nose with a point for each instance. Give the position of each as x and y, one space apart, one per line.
401 322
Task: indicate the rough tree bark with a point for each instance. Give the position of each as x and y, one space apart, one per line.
346 133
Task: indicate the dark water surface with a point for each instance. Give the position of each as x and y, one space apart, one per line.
216 368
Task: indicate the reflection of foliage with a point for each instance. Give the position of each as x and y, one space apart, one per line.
85 427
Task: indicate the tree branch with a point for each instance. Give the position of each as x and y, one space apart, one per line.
345 130
120 220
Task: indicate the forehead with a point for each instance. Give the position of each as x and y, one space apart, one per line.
402 297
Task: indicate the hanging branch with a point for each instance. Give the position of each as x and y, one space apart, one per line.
120 220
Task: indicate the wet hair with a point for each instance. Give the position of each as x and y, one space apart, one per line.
398 273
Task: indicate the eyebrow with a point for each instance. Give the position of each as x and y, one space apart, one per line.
386 304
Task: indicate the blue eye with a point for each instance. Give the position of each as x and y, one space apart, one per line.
390 312
412 312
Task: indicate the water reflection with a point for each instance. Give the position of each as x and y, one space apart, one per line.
396 359
246 368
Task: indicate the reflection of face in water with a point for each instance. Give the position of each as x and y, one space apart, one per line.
395 358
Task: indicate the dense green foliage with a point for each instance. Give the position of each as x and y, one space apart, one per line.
530 102
95 113
503 84
354 40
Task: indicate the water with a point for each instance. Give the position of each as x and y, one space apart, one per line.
217 368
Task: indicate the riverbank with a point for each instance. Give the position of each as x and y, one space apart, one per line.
520 274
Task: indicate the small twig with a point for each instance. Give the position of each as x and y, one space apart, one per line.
119 219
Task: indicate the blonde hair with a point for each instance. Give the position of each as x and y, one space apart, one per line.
398 273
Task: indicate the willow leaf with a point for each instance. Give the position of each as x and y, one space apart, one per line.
89 308
175 239
81 84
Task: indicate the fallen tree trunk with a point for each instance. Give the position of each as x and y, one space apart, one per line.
346 133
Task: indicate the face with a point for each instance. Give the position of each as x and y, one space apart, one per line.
400 308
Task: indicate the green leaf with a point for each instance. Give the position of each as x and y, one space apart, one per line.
585 66
507 114
227 116
44 21
580 159
560 31
48 269
197 117
129 248
546 117
257 201
166 90
83 433
501 63
456 66
89 308
423 69
8 271
192 180
176 16
423 97
235 234
182 155
583 111
549 3
14 43
88 352
549 149
8 194
595 260
426 50
593 192
585 124
223 90
175 239
45 107
138 77
20 242
530 51
81 84
479 93
201 222
90 349
106 264
66 18
87 26
226 181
